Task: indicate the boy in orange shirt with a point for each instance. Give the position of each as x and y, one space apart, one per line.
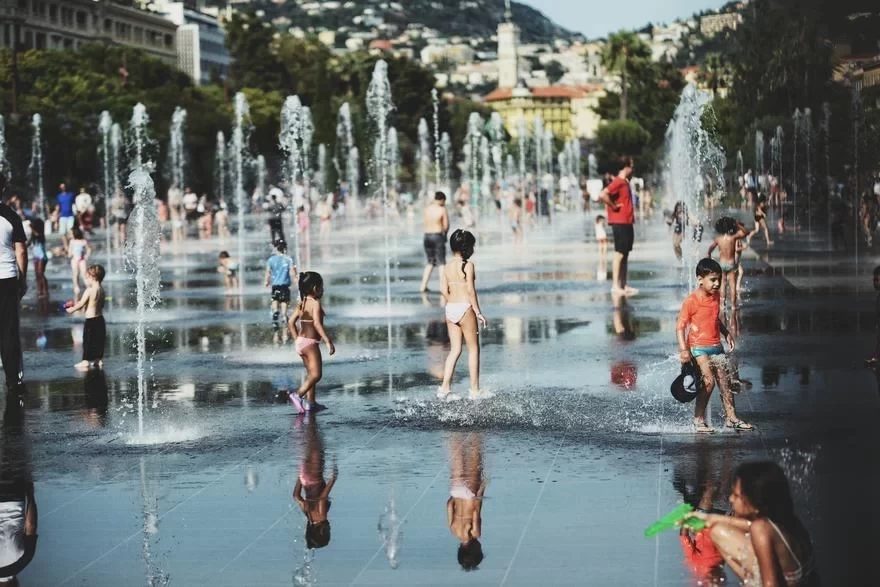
699 330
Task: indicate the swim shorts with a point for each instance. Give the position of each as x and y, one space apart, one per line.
281 293
708 351
435 248
624 236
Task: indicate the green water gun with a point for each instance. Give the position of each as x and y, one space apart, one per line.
670 521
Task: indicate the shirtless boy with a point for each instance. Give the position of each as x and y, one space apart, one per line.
95 330
436 227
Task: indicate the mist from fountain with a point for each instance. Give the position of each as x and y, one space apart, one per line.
35 168
379 107
691 157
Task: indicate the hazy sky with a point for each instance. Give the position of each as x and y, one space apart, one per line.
597 18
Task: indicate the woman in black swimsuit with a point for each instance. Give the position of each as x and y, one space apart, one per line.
677 221
761 220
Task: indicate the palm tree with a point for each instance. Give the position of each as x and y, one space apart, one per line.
622 51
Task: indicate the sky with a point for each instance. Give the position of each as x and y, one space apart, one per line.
598 18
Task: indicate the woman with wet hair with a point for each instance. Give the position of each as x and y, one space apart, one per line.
763 541
463 316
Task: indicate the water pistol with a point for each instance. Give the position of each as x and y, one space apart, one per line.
670 521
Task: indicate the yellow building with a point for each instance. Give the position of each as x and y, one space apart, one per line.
566 110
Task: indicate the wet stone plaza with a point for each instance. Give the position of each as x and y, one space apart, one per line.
577 442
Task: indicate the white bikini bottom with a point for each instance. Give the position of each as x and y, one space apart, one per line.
455 311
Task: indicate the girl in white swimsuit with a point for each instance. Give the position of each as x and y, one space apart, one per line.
462 310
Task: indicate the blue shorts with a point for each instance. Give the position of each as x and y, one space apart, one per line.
708 351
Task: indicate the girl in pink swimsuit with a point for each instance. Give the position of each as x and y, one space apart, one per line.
463 314
307 336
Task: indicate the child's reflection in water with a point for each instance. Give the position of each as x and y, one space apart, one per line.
465 504
312 492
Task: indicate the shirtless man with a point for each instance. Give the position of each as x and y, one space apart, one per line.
436 227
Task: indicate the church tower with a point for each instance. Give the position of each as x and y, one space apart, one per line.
508 46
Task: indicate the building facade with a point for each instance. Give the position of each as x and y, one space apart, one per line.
713 24
67 24
201 41
567 111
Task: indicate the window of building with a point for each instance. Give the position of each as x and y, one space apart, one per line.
53 13
82 20
40 41
40 9
68 43
28 40
169 42
23 7
139 34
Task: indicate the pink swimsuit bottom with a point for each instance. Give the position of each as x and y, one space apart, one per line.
302 343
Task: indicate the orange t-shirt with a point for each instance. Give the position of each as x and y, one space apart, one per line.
700 312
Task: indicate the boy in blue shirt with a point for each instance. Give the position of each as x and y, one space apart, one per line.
280 272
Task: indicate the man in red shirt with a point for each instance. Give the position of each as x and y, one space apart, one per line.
621 217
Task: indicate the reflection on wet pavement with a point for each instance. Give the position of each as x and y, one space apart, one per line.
577 450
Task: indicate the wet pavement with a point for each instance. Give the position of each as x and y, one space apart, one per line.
578 451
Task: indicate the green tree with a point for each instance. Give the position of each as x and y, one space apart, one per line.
624 54
554 71
621 138
715 73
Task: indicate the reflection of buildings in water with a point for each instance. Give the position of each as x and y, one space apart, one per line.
467 484
18 506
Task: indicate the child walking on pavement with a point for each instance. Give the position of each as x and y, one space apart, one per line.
729 236
307 336
95 330
699 329
280 271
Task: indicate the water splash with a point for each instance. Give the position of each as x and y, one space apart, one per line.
176 152
220 171
140 143
389 529
446 153
423 157
240 155
36 166
435 100
105 126
291 143
142 259
692 158
379 107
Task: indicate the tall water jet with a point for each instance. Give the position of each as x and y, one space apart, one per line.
780 144
307 133
472 154
496 145
423 157
759 155
262 175
592 166
240 155
321 174
116 157
379 107
142 259
826 139
36 166
176 153
346 151
290 141
139 141
807 139
105 126
511 168
547 152
691 157
220 171
522 144
538 138
435 100
486 165
393 159
797 120
446 153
